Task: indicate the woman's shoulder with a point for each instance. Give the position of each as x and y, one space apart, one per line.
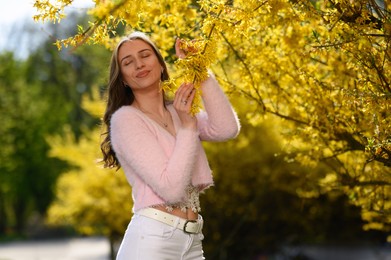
125 112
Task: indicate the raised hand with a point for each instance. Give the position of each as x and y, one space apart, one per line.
182 103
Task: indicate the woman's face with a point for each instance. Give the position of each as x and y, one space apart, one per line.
140 67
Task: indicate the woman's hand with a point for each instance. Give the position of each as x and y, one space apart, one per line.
182 103
179 52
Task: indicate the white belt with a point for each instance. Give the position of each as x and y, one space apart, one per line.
188 226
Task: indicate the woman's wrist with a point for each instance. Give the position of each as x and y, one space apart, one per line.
190 124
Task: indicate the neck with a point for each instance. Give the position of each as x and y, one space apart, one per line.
152 103
154 108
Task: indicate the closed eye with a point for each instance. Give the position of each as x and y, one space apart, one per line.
145 53
127 61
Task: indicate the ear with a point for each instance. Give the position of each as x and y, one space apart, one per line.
125 84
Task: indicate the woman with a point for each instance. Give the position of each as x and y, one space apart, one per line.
158 145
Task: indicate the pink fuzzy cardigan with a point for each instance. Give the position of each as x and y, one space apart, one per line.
160 166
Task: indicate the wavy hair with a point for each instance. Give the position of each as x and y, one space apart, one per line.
119 95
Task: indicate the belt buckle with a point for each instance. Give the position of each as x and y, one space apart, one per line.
187 222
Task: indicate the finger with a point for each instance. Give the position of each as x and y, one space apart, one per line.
179 94
192 91
191 96
178 51
183 94
180 90
188 96
187 91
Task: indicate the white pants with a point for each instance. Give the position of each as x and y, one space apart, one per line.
149 239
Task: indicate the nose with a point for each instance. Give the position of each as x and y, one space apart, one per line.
139 63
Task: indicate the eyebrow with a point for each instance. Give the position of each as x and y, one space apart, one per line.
127 56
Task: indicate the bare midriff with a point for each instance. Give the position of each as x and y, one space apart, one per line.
188 214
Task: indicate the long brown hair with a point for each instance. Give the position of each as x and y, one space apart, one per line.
119 95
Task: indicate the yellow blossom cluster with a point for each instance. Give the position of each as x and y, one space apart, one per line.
48 11
200 56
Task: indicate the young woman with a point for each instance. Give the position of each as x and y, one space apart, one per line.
158 144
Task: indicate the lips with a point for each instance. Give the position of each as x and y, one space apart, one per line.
142 74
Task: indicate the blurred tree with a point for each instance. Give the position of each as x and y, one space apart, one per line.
38 96
90 199
256 205
65 76
24 150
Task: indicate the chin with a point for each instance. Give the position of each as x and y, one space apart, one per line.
150 84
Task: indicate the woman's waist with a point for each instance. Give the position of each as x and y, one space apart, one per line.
185 213
189 226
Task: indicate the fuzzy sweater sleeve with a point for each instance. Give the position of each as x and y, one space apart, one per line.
137 145
218 122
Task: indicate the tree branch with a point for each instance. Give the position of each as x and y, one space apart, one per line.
237 55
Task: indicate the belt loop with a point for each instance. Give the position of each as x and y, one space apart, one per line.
176 223
174 227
